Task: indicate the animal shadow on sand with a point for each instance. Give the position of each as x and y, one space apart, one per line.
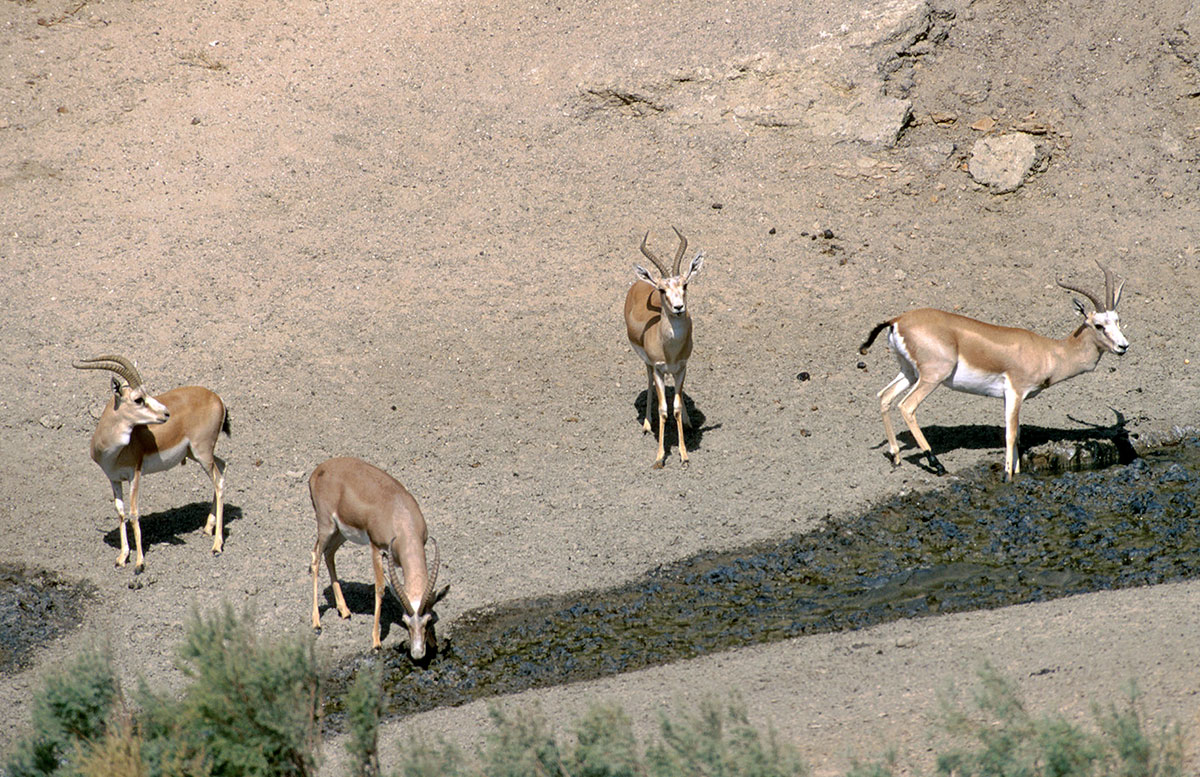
943 439
360 598
693 436
170 526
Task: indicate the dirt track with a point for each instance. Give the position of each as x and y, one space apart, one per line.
404 233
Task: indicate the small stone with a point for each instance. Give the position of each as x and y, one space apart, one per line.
943 117
771 231
295 474
51 421
718 205
862 365
803 377
195 120
983 125
1003 162
827 234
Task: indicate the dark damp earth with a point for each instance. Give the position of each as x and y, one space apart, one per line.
975 543
36 606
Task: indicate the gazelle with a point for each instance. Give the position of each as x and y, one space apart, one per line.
935 348
356 501
139 433
660 331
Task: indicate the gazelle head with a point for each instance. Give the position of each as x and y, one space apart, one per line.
131 401
671 286
417 615
1103 323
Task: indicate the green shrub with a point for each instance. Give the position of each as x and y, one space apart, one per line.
251 709
364 705
1011 742
70 711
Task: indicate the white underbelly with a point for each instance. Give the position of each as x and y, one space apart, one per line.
967 379
357 536
165 459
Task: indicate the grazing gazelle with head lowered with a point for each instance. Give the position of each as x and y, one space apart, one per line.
660 331
935 348
139 433
359 502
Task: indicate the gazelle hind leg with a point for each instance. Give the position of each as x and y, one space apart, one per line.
679 378
215 525
887 395
908 410
680 413
649 398
331 546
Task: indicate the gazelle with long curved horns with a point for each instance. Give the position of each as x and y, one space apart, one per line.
935 348
138 433
359 502
660 330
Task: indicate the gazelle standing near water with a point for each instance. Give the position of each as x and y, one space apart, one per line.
660 330
935 347
359 502
139 433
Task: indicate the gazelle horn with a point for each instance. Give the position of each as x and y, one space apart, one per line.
117 364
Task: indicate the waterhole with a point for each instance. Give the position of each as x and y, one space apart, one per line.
973 543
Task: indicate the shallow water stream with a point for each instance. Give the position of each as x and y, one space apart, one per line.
974 543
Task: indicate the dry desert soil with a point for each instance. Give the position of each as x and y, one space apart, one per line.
403 231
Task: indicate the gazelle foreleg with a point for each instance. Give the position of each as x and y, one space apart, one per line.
908 411
660 391
1012 433
380 587
134 491
118 489
887 395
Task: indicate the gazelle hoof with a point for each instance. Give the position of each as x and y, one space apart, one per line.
139 569
316 629
658 464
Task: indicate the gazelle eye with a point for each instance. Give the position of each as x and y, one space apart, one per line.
140 401
1098 326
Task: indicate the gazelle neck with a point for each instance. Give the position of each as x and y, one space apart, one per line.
411 557
1077 353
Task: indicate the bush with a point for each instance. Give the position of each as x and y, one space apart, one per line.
717 740
69 712
1010 742
251 709
364 705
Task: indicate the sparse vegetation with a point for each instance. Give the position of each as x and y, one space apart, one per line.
252 709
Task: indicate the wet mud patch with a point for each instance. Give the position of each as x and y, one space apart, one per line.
36 606
974 543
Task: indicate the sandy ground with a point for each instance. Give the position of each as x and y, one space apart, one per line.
404 232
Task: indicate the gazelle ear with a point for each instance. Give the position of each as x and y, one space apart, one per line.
1079 306
1117 295
697 263
644 274
116 387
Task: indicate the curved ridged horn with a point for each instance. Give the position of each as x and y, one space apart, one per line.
1095 300
397 589
662 268
114 363
1112 291
679 253
428 596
